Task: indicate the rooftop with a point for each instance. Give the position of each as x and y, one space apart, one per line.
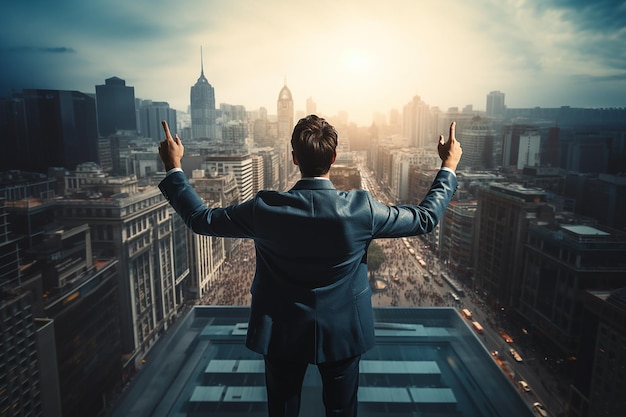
427 361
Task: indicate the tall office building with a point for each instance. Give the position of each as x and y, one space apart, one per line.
48 128
116 106
202 108
221 190
495 104
238 165
234 135
80 300
503 214
563 259
311 106
457 235
209 252
418 123
132 224
150 115
477 138
285 112
529 150
20 379
9 250
599 385
258 176
271 167
602 197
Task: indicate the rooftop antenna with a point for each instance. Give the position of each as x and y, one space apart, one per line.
201 62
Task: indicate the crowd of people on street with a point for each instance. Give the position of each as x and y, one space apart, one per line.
405 283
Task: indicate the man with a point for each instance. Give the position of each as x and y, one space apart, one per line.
311 300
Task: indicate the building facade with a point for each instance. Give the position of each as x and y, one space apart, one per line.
503 214
48 128
151 113
202 109
286 123
133 225
495 104
116 106
563 259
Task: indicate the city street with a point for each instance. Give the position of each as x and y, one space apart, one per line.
405 277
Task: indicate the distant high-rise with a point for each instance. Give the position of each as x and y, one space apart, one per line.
495 104
48 128
477 138
418 126
116 106
151 113
285 113
202 107
311 106
240 165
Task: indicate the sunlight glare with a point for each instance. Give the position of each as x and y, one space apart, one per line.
356 60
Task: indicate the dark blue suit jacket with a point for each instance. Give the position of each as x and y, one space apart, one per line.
311 298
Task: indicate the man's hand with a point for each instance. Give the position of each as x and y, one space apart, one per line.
171 150
449 151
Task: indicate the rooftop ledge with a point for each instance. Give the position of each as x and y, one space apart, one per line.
427 360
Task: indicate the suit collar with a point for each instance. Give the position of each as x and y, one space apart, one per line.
314 184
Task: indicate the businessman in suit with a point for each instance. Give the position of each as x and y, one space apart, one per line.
311 300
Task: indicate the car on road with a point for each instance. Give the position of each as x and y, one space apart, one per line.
524 385
540 410
516 355
505 336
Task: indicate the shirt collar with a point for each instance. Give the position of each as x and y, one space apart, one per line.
315 178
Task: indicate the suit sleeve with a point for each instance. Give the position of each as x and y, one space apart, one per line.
201 219
410 220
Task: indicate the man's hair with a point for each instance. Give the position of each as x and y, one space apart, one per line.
314 142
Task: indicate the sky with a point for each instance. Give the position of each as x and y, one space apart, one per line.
358 56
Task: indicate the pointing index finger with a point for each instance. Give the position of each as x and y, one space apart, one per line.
452 136
168 135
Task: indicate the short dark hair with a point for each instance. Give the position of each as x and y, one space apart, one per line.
314 144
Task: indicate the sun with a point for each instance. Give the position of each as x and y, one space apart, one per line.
356 60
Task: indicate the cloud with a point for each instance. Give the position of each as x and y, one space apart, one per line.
348 54
42 49
602 16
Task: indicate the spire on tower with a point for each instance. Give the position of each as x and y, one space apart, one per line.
201 63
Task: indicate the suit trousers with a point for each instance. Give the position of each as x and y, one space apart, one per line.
340 383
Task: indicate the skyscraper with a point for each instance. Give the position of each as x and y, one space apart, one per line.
495 104
48 128
478 140
116 106
418 125
501 226
202 107
150 115
284 107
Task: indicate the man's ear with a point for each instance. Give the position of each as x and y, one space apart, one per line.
334 157
293 158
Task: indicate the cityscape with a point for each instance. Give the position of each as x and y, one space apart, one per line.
97 268
525 275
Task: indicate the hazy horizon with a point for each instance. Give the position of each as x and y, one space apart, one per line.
357 56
